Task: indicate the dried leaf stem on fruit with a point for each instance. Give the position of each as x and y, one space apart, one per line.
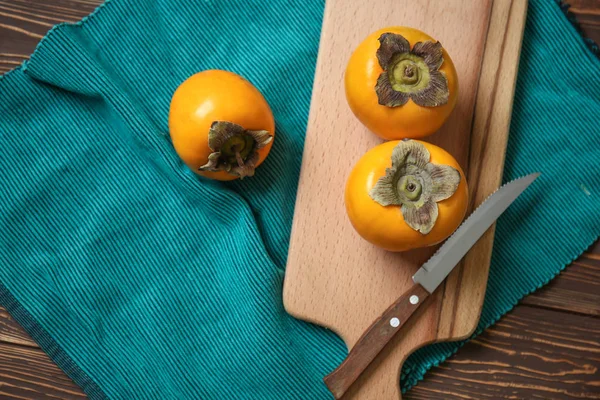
416 185
410 74
234 149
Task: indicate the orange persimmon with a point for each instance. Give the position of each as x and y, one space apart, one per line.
406 194
221 125
400 83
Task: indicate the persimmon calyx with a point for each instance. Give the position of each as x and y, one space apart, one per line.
416 185
234 149
410 74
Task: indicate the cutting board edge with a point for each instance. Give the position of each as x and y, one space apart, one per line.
521 16
287 298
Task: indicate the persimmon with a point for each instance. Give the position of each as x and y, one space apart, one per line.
400 83
406 194
221 125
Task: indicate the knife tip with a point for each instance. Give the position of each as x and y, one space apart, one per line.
529 179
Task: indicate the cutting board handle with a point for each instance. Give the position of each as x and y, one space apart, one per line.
370 344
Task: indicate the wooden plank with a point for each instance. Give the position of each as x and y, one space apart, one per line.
527 355
11 332
24 22
588 16
333 277
577 289
28 373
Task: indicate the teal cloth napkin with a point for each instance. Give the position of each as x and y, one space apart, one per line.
142 280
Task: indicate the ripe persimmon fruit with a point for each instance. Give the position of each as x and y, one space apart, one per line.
220 125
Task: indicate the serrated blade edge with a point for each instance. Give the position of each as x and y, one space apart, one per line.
437 268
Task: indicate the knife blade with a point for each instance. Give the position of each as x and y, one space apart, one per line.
426 280
437 268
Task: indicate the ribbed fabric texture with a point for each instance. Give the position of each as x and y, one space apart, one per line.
143 281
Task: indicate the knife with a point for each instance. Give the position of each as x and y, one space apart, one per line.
426 280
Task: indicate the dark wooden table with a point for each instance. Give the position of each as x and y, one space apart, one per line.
548 347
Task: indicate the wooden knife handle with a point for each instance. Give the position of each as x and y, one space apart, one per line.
374 340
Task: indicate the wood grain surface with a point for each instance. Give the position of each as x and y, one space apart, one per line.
529 354
336 279
587 13
546 348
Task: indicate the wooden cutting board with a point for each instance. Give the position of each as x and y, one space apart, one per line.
336 279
